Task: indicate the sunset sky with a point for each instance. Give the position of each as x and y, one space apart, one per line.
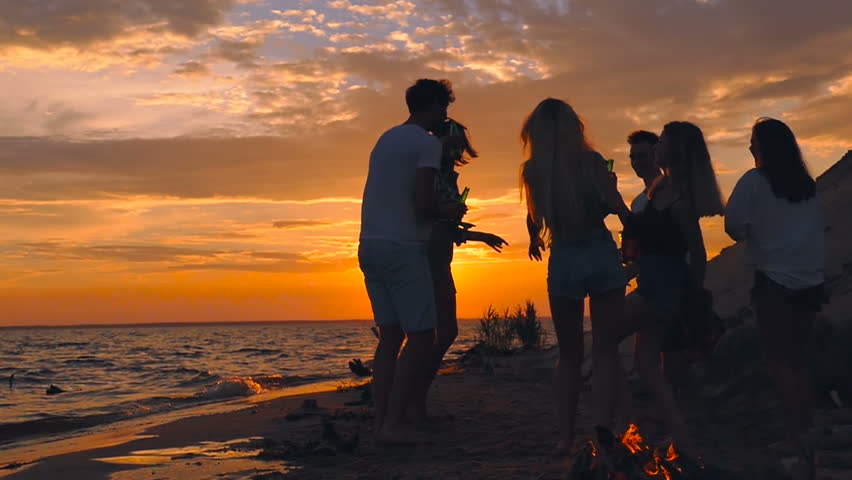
203 160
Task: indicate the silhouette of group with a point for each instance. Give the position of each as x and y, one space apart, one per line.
411 220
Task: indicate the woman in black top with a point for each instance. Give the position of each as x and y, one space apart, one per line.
672 258
446 233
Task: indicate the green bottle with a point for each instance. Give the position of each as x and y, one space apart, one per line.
464 194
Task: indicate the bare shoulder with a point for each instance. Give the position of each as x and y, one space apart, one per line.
662 195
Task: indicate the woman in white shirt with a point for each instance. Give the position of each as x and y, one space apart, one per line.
774 209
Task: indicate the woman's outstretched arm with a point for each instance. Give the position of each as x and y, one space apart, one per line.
493 241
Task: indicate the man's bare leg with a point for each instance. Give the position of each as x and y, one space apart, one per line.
448 330
409 370
384 366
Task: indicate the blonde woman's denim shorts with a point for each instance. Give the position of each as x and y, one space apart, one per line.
588 267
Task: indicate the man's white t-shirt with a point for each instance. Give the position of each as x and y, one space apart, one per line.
388 210
784 240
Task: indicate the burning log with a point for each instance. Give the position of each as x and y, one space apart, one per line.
627 457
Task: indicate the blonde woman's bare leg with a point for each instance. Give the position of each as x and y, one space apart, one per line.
567 316
607 312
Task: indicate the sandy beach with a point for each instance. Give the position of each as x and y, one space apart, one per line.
496 421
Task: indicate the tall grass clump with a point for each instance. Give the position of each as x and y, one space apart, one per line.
528 327
502 332
495 331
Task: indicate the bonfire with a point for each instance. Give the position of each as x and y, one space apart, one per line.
628 458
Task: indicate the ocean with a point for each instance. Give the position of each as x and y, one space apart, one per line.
114 373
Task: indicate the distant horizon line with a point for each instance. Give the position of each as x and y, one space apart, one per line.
189 324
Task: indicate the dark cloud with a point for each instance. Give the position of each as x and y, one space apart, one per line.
80 23
249 261
126 253
42 117
269 167
61 121
192 69
302 265
290 224
278 256
243 53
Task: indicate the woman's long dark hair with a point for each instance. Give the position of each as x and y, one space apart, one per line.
467 152
781 160
692 167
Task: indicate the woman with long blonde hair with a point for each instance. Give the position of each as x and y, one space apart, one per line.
672 259
568 193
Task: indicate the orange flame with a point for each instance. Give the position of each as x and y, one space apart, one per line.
632 440
653 468
671 454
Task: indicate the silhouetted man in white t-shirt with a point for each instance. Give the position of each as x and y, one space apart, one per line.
397 212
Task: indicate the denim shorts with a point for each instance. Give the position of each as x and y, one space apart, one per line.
588 267
399 283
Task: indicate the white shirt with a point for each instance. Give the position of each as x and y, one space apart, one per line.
639 203
388 210
784 240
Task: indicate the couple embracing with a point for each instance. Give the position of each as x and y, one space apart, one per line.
410 221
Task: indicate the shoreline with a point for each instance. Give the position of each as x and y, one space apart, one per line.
57 427
499 422
195 425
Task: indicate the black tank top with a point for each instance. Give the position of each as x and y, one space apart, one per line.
660 234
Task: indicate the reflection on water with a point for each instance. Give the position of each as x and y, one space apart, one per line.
240 448
234 459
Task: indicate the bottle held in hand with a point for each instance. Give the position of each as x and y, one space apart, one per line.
464 194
